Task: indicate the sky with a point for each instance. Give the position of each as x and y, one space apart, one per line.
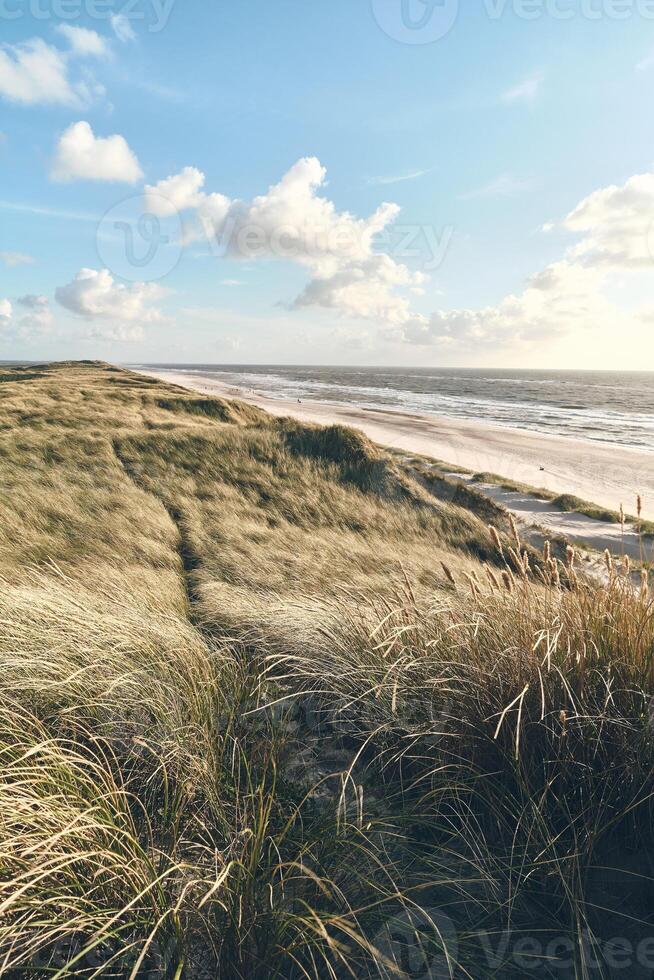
385 182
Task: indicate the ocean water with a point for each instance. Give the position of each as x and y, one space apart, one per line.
614 407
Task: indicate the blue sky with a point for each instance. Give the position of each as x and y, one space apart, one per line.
517 151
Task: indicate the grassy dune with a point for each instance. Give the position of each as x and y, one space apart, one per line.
269 708
569 503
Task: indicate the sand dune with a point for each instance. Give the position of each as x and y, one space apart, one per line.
603 474
577 528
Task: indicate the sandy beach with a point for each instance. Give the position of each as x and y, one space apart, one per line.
604 474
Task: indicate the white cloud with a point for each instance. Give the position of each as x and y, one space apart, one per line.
85 42
617 224
576 300
124 332
32 301
525 91
574 296
13 259
399 179
503 186
6 312
36 73
95 295
175 194
561 298
293 221
80 155
122 28
363 289
39 317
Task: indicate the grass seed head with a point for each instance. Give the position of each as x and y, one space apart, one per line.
448 574
496 540
515 533
644 584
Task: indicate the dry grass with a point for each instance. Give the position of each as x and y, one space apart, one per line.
569 503
259 697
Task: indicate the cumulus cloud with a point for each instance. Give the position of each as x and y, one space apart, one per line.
293 221
85 42
13 259
364 289
36 73
617 224
81 155
179 193
95 296
561 297
614 229
122 28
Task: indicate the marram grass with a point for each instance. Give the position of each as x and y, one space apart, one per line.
268 709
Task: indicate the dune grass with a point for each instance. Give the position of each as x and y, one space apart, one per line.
268 708
568 503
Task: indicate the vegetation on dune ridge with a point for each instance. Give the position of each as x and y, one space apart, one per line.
569 503
269 708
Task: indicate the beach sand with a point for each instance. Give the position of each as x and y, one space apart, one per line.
597 472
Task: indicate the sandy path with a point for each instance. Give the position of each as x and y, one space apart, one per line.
600 473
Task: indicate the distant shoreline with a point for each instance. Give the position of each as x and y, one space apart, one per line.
603 473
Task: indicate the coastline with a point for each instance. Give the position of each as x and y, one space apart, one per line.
604 474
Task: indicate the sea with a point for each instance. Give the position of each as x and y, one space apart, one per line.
602 406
